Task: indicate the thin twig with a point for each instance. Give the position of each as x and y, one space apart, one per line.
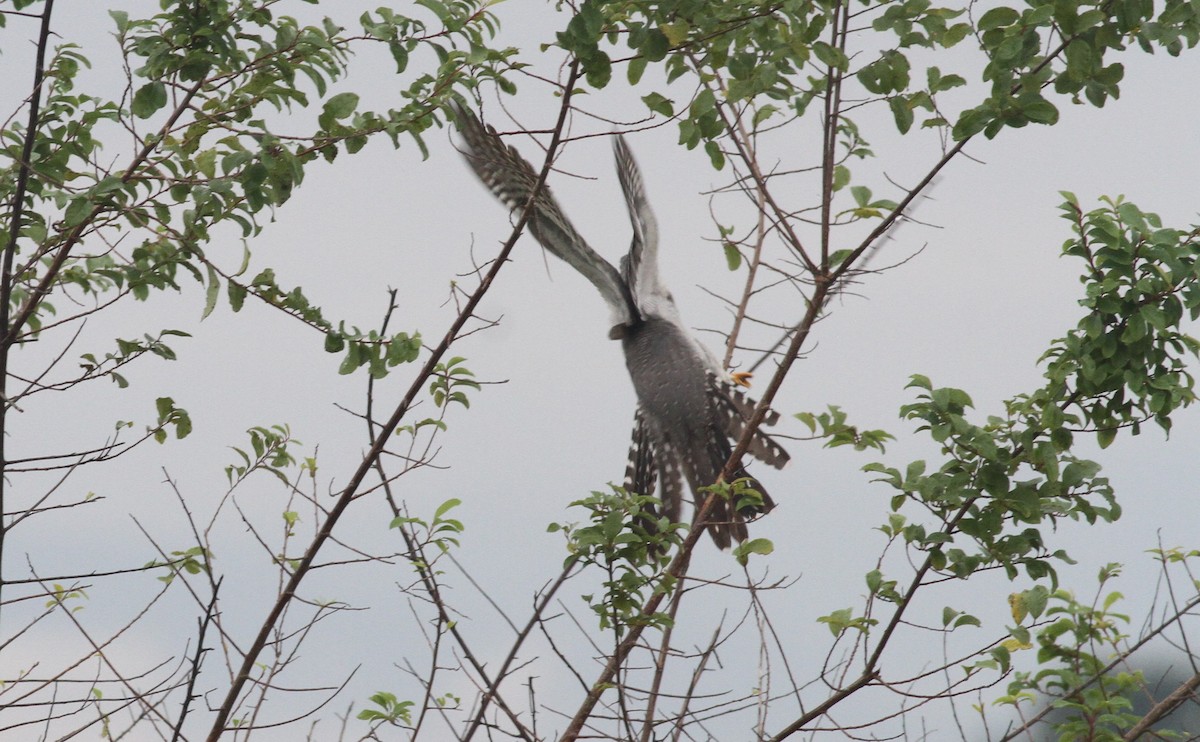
188 693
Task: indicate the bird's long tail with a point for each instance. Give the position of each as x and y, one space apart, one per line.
736 410
748 497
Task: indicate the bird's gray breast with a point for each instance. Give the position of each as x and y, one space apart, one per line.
670 379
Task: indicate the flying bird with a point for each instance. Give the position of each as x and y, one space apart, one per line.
688 409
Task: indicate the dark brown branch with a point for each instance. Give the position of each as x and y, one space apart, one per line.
10 250
534 619
197 658
1163 708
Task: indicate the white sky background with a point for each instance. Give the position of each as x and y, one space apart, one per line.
973 310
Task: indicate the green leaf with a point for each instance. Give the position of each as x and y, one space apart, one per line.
764 113
838 621
183 424
901 113
659 104
874 580
841 177
675 33
206 163
761 546
919 381
78 209
341 105
354 358
998 17
108 184
715 155
237 295
598 70
438 9
966 620
733 256
211 292
446 507
149 99
1042 112
399 55
637 67
829 55
656 46
121 18
403 349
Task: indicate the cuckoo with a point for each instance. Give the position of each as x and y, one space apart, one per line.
688 408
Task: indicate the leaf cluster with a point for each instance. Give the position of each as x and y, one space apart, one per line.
442 532
270 451
1126 361
1074 645
629 543
1006 479
204 82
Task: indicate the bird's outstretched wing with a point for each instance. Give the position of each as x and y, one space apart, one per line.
639 267
512 180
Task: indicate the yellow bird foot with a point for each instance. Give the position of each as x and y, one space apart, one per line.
741 378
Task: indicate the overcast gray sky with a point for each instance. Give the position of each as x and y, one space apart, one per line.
983 293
